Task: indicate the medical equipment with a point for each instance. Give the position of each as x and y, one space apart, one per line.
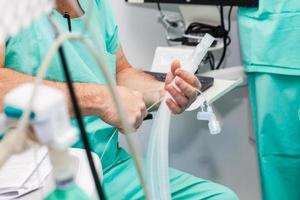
206 113
157 160
49 116
51 122
199 20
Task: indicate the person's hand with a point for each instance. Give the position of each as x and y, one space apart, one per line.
186 83
134 107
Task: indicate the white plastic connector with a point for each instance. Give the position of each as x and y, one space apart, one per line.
50 118
214 126
199 53
206 113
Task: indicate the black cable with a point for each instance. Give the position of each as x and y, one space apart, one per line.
78 116
211 60
229 18
159 9
229 25
67 16
224 38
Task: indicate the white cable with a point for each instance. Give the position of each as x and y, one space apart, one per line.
201 93
108 142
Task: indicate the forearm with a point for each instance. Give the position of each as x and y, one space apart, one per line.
135 79
89 95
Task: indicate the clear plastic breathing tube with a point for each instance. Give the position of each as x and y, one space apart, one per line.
158 158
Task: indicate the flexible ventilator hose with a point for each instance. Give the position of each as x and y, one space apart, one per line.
158 159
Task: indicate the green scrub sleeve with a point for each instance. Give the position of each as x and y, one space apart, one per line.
111 27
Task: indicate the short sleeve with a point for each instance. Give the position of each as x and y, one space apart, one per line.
111 28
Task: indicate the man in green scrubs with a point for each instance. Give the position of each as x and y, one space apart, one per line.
21 59
270 43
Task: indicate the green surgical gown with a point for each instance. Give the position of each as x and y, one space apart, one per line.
270 43
25 52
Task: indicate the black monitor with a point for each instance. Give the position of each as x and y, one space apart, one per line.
242 3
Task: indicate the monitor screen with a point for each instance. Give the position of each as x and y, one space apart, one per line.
243 3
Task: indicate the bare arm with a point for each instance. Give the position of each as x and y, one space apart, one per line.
91 96
137 80
152 90
94 99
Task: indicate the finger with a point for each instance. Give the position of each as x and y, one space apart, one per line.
139 122
174 66
175 109
186 89
179 98
189 78
170 77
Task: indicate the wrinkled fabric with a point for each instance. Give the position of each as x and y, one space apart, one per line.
275 101
121 183
270 37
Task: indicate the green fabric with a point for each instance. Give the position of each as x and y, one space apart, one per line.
275 101
25 52
121 182
71 192
270 37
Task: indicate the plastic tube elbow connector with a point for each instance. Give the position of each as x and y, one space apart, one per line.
214 126
207 114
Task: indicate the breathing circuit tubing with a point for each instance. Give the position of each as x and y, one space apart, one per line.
157 158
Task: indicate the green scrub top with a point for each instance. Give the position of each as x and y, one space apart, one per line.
26 51
270 37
